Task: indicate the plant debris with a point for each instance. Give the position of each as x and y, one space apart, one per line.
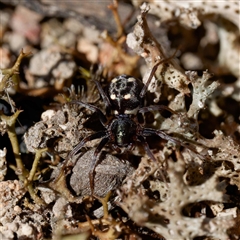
192 191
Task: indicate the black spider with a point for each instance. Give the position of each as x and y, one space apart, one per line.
124 101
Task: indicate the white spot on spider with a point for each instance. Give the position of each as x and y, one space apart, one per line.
131 79
113 96
127 96
115 112
114 80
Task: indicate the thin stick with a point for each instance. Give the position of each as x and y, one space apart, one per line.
154 69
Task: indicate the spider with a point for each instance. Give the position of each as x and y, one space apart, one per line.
124 101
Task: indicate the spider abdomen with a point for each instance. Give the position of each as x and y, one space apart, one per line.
124 94
123 129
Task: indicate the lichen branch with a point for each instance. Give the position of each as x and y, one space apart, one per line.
11 120
11 72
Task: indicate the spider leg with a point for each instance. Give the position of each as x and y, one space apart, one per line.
77 148
95 161
154 69
103 94
163 135
155 108
150 154
102 117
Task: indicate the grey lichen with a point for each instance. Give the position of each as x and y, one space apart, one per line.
60 125
145 45
201 92
190 14
167 217
187 192
3 163
194 177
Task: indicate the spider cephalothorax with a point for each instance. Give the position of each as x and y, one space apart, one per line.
124 93
124 101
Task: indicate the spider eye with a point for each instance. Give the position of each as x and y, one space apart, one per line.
124 93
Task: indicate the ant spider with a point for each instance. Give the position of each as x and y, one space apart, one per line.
125 101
